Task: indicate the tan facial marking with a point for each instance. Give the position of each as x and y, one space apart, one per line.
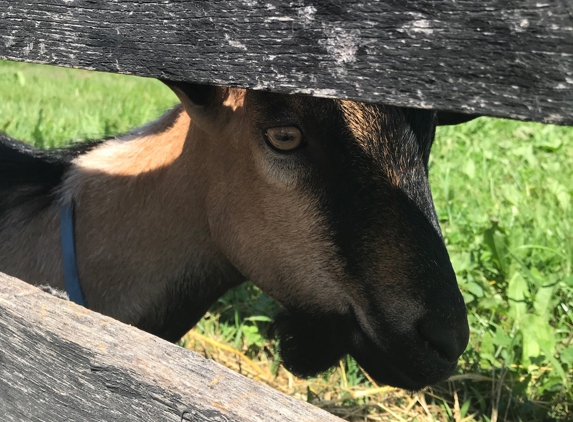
235 98
133 154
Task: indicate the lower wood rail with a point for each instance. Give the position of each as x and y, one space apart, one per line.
61 362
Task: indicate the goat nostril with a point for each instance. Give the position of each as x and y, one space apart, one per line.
444 340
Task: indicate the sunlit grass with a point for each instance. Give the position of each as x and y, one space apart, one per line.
48 106
503 190
503 193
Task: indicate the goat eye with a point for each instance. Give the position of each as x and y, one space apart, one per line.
284 138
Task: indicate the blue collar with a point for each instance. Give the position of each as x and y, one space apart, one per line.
71 276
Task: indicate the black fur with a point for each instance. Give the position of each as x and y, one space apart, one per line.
29 176
310 343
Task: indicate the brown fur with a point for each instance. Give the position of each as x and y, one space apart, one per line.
162 169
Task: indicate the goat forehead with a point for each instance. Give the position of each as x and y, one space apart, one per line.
365 122
397 141
272 108
382 131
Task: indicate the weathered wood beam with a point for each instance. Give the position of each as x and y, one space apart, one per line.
507 58
59 361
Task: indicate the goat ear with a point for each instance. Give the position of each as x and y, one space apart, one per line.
203 103
452 118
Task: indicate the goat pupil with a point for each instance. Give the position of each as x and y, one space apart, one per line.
284 138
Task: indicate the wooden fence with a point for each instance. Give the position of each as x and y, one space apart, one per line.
507 58
61 362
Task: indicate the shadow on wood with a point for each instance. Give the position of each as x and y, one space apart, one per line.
61 361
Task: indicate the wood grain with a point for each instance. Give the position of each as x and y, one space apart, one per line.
61 362
508 58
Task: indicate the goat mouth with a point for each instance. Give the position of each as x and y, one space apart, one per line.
403 368
309 345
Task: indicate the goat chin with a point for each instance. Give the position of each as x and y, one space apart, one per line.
310 344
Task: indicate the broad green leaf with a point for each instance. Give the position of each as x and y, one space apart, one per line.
486 345
544 301
468 297
470 169
486 351
560 192
252 336
491 302
552 383
511 194
517 290
537 276
538 337
551 144
566 356
464 409
523 132
496 240
557 368
460 262
21 78
530 347
474 288
526 151
501 338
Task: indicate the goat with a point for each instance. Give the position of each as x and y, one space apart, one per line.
324 204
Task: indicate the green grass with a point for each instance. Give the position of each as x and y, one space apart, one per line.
49 106
503 193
